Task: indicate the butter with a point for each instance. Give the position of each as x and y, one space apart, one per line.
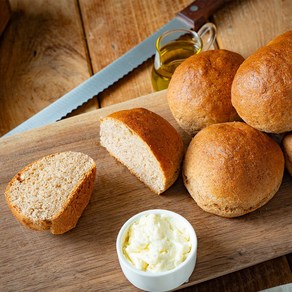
156 243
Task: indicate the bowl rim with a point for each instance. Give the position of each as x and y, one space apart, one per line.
131 220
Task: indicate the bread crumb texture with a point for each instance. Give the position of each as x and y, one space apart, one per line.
146 144
231 169
44 190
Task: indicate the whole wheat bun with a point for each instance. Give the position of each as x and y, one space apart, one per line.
231 169
52 192
199 93
287 146
147 144
286 37
262 87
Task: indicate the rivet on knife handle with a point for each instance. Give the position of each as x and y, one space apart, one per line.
198 12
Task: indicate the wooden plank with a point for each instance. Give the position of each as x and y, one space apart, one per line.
259 277
114 27
243 26
253 13
246 25
85 257
42 56
5 14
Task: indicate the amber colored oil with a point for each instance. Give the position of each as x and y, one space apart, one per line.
171 55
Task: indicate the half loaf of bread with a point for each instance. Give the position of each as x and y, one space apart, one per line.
147 144
52 192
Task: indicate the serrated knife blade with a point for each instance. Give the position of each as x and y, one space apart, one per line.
193 16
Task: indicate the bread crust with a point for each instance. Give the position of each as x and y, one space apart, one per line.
287 146
69 216
286 37
71 211
262 87
231 169
199 93
161 137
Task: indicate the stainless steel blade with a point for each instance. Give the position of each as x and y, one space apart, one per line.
99 81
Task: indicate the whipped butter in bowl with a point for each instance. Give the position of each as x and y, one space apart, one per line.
157 250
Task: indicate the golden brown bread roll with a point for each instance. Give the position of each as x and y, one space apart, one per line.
231 169
199 93
285 37
287 145
262 87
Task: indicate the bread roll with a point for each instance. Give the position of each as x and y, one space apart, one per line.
146 144
262 87
285 37
199 93
287 145
52 192
231 169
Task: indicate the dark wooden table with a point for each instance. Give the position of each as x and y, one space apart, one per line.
49 47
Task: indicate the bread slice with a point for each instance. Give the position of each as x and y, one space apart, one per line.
52 192
147 144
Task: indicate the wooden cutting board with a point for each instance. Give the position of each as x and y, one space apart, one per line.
85 258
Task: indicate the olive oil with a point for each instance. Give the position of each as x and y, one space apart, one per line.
168 58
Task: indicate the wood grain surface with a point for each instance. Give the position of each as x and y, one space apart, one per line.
52 46
49 47
130 22
5 13
272 273
38 65
246 25
85 257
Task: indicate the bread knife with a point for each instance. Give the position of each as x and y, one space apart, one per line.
191 17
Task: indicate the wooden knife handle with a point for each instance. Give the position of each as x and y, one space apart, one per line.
198 12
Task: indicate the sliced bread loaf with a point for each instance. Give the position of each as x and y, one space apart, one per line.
147 144
52 192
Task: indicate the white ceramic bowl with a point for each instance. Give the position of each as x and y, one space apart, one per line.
158 281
